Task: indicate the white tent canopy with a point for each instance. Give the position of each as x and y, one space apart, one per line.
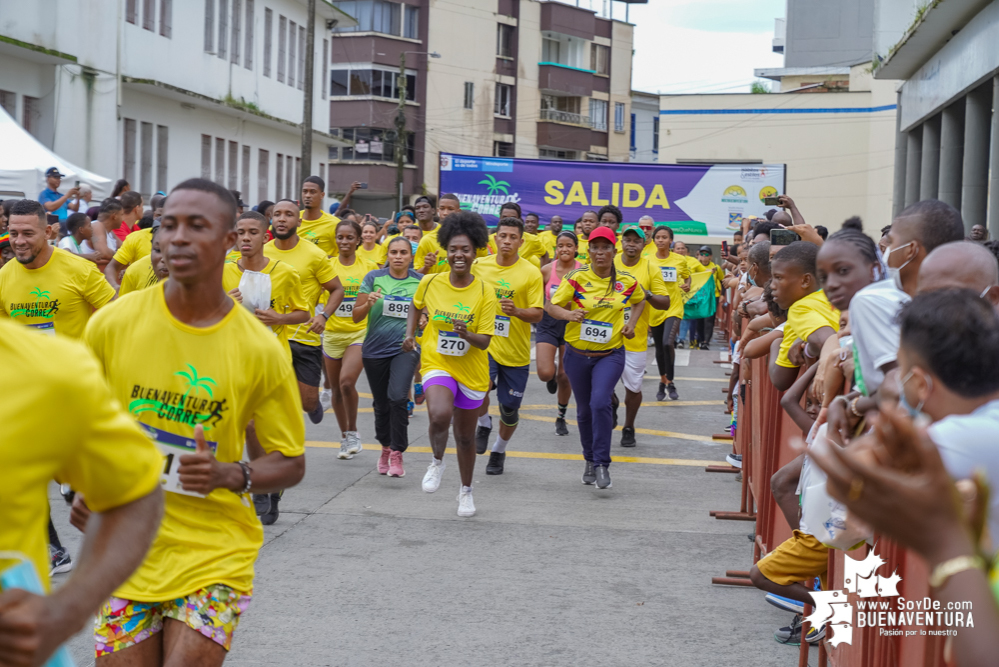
24 161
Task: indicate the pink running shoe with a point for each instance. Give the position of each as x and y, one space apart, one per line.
395 465
383 461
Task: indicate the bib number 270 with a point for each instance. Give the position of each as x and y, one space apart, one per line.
451 344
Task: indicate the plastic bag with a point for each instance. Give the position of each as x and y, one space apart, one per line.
255 287
826 519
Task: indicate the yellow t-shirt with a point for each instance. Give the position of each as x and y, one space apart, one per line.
314 270
135 246
604 303
320 232
221 377
474 304
650 278
674 271
93 445
522 282
286 291
806 316
233 256
351 277
138 275
583 253
378 254
532 249
693 264
548 240
429 244
58 297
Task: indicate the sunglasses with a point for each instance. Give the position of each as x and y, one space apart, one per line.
704 254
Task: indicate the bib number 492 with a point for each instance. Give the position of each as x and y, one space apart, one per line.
346 308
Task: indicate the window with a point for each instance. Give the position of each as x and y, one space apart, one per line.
550 50
385 17
206 156
504 99
244 186
292 64
131 11
166 23
632 146
268 25
598 114
8 101
282 48
619 116
128 145
655 135
326 60
146 158
209 25
322 171
149 15
469 94
162 152
289 188
279 177
31 114
235 41
372 143
600 58
412 24
220 161
301 57
502 149
377 82
298 173
233 164
223 28
248 55
263 174
504 40
553 154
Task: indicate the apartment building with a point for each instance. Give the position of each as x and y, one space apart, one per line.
511 78
157 91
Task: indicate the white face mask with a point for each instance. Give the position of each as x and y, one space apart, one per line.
895 273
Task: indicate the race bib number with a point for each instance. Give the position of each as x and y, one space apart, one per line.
173 447
502 326
345 308
593 331
451 344
47 328
627 314
669 273
396 306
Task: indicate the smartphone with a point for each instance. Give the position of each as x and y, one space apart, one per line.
771 201
725 248
783 237
363 186
78 184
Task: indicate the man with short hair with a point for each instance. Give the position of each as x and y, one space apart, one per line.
104 240
961 265
55 203
531 248
131 208
548 236
429 258
77 241
979 234
531 223
318 227
196 397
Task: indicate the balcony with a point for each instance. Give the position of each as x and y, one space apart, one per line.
565 118
557 79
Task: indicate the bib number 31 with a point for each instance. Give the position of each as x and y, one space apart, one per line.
594 331
451 344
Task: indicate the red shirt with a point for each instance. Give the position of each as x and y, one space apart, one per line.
124 230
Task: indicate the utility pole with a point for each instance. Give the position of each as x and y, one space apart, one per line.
400 129
310 65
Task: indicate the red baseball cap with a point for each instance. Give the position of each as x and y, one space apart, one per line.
604 233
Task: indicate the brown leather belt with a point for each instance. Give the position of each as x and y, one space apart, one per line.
594 354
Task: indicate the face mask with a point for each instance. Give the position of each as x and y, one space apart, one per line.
749 277
414 245
985 293
895 273
916 413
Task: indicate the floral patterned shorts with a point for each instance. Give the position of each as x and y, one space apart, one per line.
213 611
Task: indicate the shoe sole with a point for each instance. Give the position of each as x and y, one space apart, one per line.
356 451
270 522
604 487
344 457
62 568
734 464
493 472
782 607
397 476
466 515
589 483
629 444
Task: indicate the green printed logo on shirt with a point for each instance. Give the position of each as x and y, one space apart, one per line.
43 306
189 408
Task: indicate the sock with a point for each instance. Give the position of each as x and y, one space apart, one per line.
485 421
500 446
438 462
466 489
562 409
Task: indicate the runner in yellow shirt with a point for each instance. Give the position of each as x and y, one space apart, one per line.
196 397
666 323
584 227
344 337
318 227
429 258
549 236
610 216
636 348
135 246
461 312
48 289
519 291
593 300
146 271
370 249
531 249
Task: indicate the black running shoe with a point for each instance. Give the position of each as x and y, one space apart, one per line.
262 503
614 403
679 344
673 395
59 560
316 415
661 394
560 427
589 475
603 477
790 634
627 437
272 515
495 465
552 386
482 439
705 346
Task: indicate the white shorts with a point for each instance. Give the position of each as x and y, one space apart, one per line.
634 370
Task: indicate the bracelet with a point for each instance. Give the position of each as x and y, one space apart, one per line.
853 407
947 569
247 482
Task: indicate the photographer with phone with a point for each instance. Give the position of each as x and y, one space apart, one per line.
55 203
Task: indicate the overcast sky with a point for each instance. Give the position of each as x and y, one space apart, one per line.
699 46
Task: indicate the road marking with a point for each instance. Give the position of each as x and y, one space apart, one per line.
645 431
682 358
685 379
544 455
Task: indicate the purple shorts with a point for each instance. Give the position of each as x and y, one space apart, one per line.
461 401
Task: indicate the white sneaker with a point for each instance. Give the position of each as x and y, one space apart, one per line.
354 445
345 452
432 480
466 506
326 399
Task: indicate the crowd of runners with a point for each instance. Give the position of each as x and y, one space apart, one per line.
183 345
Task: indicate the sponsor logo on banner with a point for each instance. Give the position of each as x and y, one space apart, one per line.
768 191
735 194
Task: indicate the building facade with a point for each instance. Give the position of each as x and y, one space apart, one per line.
644 127
157 91
511 78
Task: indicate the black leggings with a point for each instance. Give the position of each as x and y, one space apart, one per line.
664 339
389 379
